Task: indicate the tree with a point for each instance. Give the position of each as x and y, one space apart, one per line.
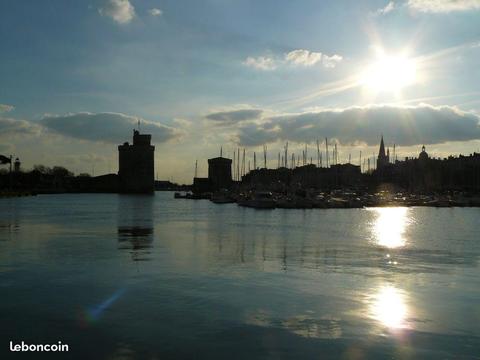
42 169
60 171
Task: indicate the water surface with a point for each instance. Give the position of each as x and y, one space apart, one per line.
150 277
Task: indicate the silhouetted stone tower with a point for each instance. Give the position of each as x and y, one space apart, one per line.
136 165
220 173
383 158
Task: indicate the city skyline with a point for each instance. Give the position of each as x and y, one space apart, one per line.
236 74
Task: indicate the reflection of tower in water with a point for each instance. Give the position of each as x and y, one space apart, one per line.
135 225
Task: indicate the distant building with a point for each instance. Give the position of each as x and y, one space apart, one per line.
423 157
107 183
219 176
201 185
347 174
220 173
383 159
136 165
16 165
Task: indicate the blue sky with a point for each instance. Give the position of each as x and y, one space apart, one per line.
71 67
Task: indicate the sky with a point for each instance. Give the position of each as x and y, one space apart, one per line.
78 76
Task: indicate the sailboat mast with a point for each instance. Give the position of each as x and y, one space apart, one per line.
243 162
326 151
238 164
265 156
233 165
360 162
286 155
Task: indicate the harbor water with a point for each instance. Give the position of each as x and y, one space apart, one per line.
151 277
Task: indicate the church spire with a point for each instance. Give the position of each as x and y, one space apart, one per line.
382 159
381 152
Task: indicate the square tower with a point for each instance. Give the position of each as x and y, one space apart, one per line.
220 173
136 165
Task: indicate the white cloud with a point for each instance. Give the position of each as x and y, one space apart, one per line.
155 12
107 127
303 57
99 127
297 58
430 6
261 63
385 10
443 6
121 11
404 125
10 126
331 61
4 108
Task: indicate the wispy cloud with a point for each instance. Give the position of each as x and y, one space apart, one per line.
121 11
303 57
155 12
430 6
297 58
406 125
235 116
443 6
331 61
261 63
4 108
385 10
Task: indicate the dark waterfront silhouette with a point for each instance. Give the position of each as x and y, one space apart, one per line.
135 174
454 181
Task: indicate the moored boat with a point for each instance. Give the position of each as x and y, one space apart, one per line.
222 197
260 200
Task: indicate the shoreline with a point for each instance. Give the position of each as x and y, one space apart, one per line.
280 202
336 200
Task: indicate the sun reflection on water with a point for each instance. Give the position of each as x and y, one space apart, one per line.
389 308
390 225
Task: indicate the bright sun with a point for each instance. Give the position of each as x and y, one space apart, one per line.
389 74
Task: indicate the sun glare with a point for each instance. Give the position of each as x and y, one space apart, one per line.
389 73
390 225
389 308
